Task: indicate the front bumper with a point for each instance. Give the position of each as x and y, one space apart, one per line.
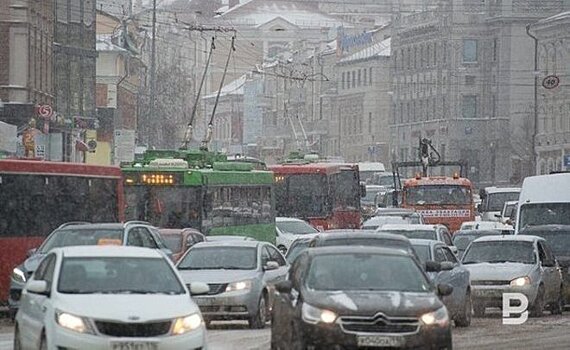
492 296
66 339
325 336
228 306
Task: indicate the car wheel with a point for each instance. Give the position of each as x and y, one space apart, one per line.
464 319
17 344
282 249
479 309
557 307
43 342
537 307
258 321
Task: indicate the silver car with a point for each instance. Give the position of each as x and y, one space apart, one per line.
514 264
458 303
241 276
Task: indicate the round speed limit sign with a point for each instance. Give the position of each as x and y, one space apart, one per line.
551 82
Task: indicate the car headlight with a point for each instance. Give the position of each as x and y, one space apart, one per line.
315 315
18 275
520 282
187 324
239 286
72 322
439 317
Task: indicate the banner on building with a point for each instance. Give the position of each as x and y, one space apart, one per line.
8 138
124 146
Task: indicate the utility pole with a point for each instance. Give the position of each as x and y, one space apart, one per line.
534 158
153 122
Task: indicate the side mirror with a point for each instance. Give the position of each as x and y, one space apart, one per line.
31 252
271 265
444 289
284 287
446 266
199 288
38 287
453 249
432 266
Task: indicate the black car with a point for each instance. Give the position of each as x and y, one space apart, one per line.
462 239
296 248
359 297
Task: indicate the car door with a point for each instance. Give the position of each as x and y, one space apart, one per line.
446 277
34 304
279 274
551 276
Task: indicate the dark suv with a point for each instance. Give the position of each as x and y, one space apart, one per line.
132 233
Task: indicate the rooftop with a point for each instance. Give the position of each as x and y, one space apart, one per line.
379 49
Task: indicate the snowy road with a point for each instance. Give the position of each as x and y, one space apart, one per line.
549 332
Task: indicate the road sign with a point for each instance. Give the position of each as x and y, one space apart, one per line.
567 160
551 82
45 111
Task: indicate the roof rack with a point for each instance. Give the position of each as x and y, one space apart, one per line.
72 223
138 222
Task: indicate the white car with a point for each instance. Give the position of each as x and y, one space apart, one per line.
289 229
429 232
108 297
485 225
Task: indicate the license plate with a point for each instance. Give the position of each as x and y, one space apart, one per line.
488 293
379 341
134 345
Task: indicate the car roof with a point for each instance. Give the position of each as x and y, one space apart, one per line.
286 219
102 225
494 189
108 251
414 227
356 249
364 234
425 242
514 238
229 243
177 231
347 230
225 238
477 232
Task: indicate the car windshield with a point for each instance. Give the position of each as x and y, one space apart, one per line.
461 241
496 201
379 221
500 252
559 241
364 271
74 237
173 242
296 227
370 195
220 258
544 214
296 249
415 234
383 180
440 194
117 275
423 252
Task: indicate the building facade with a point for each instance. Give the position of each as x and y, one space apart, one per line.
463 77
552 143
26 59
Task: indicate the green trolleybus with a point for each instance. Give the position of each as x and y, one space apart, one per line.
199 189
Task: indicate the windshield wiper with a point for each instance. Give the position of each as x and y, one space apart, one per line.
78 291
126 291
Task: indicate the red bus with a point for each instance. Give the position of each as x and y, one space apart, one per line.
327 195
38 196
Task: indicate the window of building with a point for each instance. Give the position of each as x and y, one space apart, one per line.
495 48
493 106
370 121
469 50
353 79
360 77
364 77
370 75
469 106
444 53
343 80
469 80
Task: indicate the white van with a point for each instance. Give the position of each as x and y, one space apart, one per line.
368 169
544 200
493 199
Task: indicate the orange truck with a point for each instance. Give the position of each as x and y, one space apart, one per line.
440 200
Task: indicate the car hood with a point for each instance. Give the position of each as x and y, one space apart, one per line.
369 303
292 236
498 271
126 307
31 263
217 276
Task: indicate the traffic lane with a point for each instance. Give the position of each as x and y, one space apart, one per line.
548 332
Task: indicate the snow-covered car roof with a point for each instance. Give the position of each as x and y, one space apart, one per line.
413 227
108 251
514 238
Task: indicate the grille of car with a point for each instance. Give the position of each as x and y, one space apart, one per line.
222 308
490 283
120 329
378 324
217 288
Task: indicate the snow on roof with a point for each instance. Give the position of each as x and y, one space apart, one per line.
379 49
233 88
260 12
104 42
